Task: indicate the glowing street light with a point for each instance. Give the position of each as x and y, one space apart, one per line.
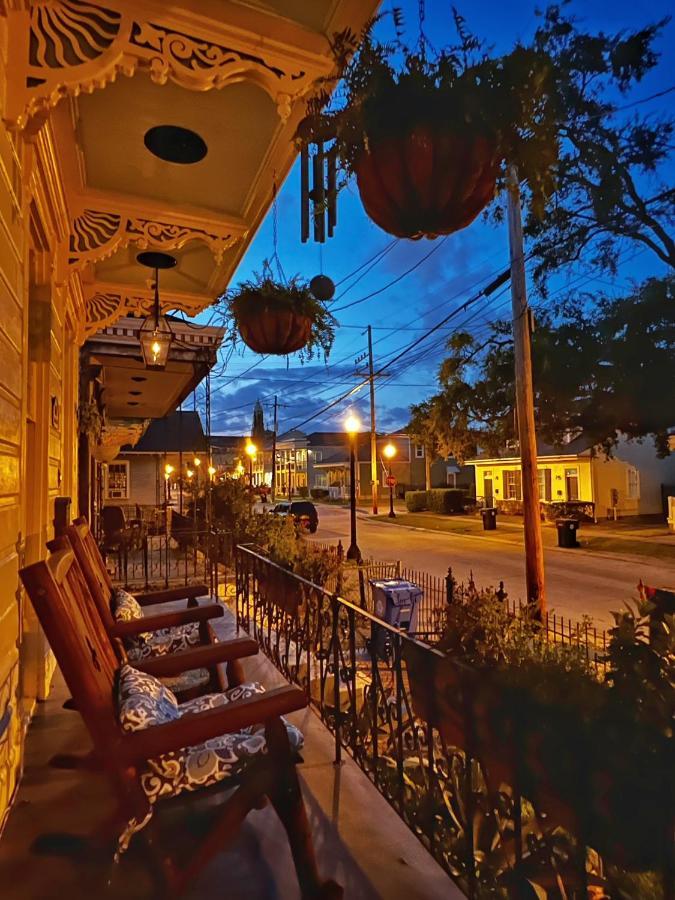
389 452
168 469
352 427
190 473
197 461
211 471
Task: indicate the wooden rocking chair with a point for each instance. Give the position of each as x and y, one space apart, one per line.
101 590
122 635
130 759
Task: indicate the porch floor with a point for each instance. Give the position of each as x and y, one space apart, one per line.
359 839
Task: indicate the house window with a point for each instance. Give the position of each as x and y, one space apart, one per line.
572 483
117 481
318 455
544 482
513 484
419 451
633 486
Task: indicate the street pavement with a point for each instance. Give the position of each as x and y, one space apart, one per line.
578 582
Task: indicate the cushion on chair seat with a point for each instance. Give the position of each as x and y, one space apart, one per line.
125 608
143 701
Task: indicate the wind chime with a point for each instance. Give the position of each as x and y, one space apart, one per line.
318 203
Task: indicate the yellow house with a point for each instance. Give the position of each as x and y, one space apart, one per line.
634 481
124 127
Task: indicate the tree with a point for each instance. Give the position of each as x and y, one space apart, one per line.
602 366
421 430
611 187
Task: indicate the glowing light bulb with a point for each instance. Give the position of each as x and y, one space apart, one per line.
389 451
352 424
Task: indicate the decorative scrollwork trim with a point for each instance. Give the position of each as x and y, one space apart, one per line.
76 46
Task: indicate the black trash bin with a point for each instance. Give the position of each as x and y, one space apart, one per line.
567 532
489 514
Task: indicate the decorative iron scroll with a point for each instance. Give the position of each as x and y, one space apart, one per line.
75 46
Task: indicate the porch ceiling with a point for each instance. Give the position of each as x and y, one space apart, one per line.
237 73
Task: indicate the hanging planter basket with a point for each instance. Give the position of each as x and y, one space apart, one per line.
429 182
426 134
275 331
278 318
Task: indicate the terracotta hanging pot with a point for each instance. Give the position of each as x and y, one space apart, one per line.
275 331
278 317
430 182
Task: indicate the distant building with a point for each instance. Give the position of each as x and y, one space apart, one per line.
634 481
137 475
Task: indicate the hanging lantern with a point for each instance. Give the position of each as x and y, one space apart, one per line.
155 334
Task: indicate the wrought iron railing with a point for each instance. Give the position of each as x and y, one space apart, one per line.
376 689
173 557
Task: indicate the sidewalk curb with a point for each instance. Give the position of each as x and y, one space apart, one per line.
576 551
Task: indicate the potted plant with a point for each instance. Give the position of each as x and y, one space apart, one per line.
278 317
426 134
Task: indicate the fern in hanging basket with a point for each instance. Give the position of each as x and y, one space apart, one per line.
278 318
426 135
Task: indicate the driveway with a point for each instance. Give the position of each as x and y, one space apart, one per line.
577 582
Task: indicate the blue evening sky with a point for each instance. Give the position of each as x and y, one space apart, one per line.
455 268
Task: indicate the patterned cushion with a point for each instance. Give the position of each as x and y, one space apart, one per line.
126 608
166 640
144 701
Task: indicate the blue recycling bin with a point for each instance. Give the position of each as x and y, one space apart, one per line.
396 602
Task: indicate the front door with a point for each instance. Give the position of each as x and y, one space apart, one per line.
487 491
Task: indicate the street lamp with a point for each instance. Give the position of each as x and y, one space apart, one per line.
352 427
251 451
390 452
155 335
211 471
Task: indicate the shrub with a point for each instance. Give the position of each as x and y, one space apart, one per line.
581 510
320 493
303 491
446 500
415 501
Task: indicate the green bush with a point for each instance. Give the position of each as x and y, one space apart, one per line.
303 491
415 501
320 493
446 501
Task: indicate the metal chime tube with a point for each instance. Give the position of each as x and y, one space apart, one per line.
319 195
332 190
304 194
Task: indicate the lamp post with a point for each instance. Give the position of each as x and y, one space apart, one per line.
168 469
390 452
251 451
352 427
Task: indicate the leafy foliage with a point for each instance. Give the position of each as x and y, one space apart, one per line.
264 294
602 366
389 88
611 188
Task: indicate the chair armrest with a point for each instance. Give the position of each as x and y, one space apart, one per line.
167 620
198 658
197 728
188 592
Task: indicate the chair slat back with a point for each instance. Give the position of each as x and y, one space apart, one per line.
93 569
85 656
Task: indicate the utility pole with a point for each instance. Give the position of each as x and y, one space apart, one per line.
534 551
274 451
373 432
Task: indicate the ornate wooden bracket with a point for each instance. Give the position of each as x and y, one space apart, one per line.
106 303
100 228
59 48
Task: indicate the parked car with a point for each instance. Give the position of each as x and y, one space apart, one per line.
304 513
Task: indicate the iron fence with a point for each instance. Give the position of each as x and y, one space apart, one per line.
384 696
438 592
179 556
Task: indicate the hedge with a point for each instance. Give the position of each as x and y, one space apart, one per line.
320 493
415 501
446 501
